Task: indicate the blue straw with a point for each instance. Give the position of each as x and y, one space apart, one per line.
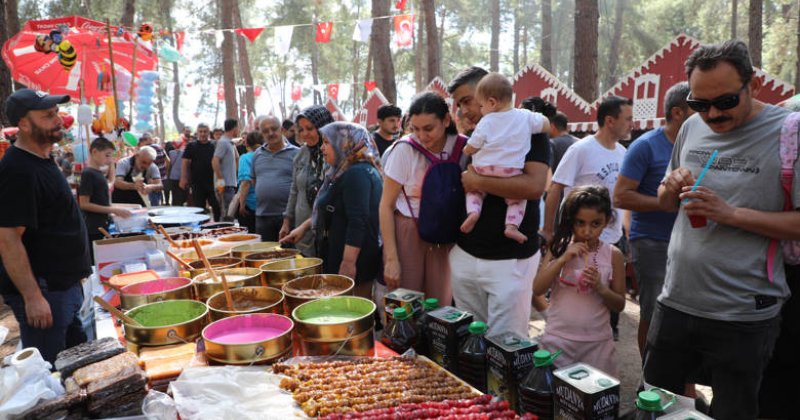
702 173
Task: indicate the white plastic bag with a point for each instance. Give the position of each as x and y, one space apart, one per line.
25 382
159 406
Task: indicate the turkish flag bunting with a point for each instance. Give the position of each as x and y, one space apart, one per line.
370 85
403 30
333 91
400 5
220 93
297 92
179 38
257 91
249 33
324 30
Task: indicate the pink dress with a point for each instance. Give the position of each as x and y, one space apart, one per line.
577 320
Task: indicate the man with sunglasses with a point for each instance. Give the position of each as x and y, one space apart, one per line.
718 315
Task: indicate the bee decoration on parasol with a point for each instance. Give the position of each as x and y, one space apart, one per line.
146 31
55 42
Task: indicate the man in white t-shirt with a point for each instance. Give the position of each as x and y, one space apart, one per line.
594 160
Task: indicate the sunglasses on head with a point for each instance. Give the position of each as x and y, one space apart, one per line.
723 103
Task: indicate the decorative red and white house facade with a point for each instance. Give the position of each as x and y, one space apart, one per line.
335 111
368 114
439 86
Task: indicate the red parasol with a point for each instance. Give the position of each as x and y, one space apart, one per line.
45 71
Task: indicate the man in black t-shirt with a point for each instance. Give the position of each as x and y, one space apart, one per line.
492 275
198 172
43 241
388 127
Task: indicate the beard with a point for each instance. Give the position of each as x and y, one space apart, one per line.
45 137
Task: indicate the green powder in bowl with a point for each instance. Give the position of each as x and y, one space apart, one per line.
161 314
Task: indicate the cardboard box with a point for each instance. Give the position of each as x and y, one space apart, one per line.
111 255
510 358
447 328
585 393
404 298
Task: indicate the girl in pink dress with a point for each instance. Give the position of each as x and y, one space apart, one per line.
587 279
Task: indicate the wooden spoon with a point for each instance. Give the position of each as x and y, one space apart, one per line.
228 297
203 258
116 312
167 237
180 260
105 233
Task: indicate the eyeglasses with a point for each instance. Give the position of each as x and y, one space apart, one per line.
723 103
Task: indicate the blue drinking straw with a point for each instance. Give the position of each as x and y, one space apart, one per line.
702 173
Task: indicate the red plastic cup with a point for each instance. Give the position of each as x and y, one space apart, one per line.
698 221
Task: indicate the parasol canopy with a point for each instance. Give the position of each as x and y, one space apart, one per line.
54 68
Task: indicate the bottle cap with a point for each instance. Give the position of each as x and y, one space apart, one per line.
543 358
431 304
400 313
477 328
649 401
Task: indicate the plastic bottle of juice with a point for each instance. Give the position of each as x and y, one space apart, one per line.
401 333
423 343
472 365
648 406
536 390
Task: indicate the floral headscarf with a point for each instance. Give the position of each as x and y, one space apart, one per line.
319 116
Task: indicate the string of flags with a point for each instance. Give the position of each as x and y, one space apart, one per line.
332 90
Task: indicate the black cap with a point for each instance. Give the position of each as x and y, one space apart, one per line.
24 100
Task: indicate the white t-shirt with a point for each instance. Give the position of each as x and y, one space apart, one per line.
505 137
124 165
587 162
407 166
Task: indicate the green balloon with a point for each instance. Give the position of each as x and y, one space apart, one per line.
130 139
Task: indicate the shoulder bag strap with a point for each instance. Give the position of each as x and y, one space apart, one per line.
788 155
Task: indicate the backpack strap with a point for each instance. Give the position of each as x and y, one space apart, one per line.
788 154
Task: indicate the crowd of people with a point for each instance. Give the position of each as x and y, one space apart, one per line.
447 202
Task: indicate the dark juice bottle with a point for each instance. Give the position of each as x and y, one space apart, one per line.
423 342
536 390
648 406
472 364
401 333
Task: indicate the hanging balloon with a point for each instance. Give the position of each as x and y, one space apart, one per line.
124 124
97 126
149 75
66 119
130 139
84 114
66 54
146 31
169 54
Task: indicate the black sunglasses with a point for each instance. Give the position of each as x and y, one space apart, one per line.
723 103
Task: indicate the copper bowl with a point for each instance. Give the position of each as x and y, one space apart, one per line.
181 321
277 273
246 300
190 256
307 288
251 338
217 263
205 287
338 325
170 288
258 259
242 251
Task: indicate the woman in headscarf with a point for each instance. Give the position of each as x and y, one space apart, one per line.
307 177
346 210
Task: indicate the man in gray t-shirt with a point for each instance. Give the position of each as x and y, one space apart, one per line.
271 172
224 165
718 314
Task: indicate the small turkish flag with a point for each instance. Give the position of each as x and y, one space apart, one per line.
179 38
257 91
297 92
403 30
400 5
370 85
333 91
324 31
249 33
220 93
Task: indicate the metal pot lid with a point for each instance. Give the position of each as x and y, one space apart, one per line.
180 219
172 211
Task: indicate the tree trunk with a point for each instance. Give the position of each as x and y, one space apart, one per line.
494 45
128 12
166 17
244 64
355 65
517 29
5 73
432 38
546 56
12 26
228 47
441 33
613 53
586 33
417 43
315 63
734 17
382 53
560 38
755 31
